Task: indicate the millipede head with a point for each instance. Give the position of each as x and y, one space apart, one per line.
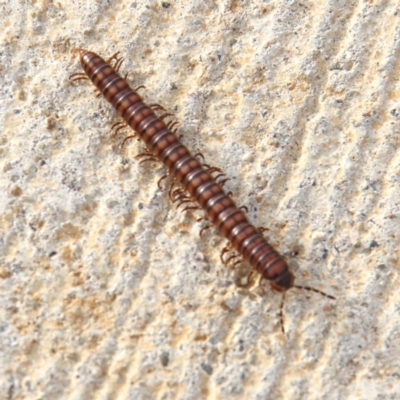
283 282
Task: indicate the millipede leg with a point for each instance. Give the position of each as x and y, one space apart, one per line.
126 139
156 106
149 157
118 63
236 262
117 123
145 154
226 249
171 124
211 169
161 179
178 194
262 230
204 229
174 182
152 159
178 191
215 169
182 197
117 127
198 155
78 76
139 87
231 258
113 57
184 201
222 183
249 276
219 176
191 208
165 115
244 208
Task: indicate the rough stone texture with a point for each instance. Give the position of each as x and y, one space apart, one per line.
107 292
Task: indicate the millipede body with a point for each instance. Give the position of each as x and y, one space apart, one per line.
196 178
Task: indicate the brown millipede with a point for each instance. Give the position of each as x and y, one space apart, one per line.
196 179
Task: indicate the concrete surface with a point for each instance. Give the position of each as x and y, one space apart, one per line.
107 292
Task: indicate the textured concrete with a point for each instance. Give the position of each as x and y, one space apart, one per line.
106 290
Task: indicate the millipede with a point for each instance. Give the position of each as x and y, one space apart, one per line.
197 181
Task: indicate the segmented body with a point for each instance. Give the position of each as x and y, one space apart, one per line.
186 169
